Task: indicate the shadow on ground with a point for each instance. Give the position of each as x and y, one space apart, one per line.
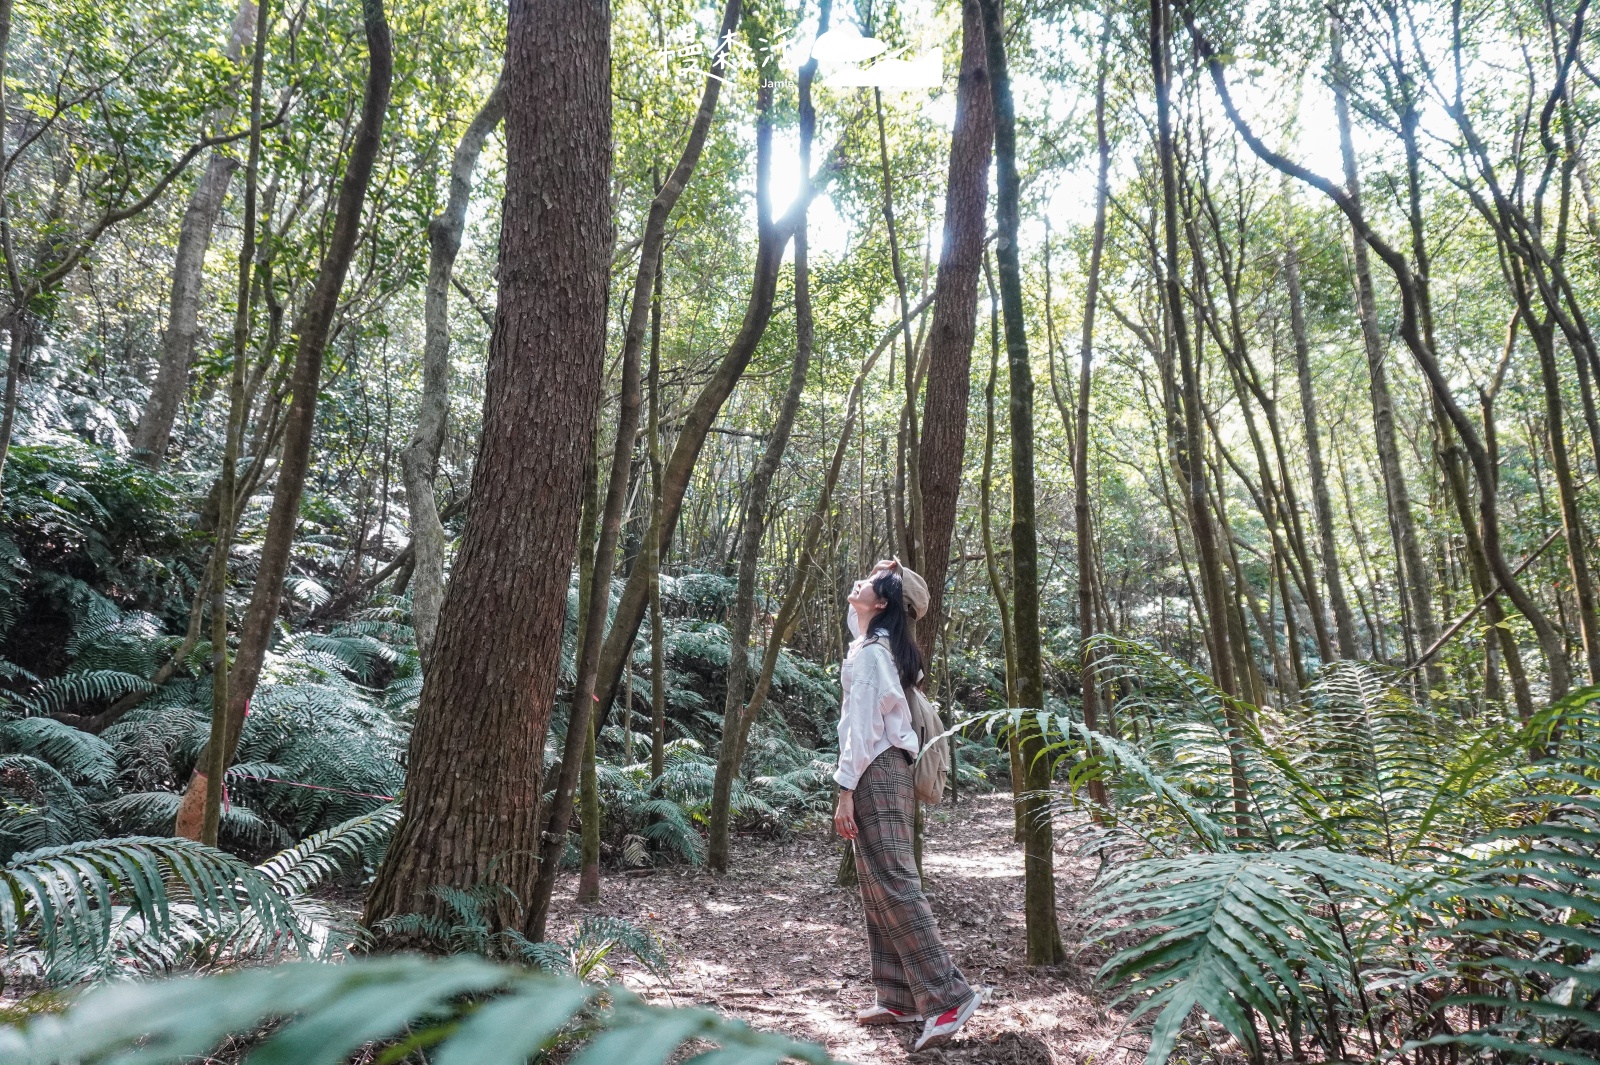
779 945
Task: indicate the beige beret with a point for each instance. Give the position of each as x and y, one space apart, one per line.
914 588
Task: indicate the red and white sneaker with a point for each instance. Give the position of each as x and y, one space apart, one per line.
876 1014
937 1031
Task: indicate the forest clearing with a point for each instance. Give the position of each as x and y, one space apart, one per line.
615 532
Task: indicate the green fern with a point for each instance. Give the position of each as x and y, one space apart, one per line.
466 1010
1238 936
74 900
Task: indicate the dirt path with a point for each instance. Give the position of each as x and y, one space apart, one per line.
777 944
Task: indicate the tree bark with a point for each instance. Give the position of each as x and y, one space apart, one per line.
1039 890
420 456
313 330
617 483
955 305
475 773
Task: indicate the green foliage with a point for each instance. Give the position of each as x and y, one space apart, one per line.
464 1010
90 907
474 925
1393 885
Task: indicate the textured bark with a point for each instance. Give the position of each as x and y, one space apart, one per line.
1039 890
313 329
475 769
759 486
1344 621
151 435
617 485
955 305
420 456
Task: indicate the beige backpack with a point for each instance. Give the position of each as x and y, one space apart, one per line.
931 772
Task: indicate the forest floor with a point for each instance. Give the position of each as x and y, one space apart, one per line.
779 945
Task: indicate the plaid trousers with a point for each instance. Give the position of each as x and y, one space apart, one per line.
911 969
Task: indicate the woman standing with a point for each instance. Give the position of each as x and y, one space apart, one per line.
915 978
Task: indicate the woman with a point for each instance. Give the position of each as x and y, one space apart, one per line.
915 978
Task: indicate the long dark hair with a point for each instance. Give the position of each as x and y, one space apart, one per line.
893 621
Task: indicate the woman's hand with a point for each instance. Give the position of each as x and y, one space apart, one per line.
844 815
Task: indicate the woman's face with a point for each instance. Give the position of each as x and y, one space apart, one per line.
864 599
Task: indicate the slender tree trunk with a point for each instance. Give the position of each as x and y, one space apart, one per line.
312 331
997 584
1039 890
1189 448
758 488
617 483
474 773
658 632
908 462
679 467
420 457
151 435
1344 621
589 805
955 293
228 481
1550 638
1080 449
1415 589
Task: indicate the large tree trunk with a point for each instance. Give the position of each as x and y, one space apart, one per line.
1039 881
955 305
759 486
420 457
151 435
475 769
315 323
617 485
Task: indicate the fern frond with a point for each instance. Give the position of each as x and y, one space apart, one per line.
468 1011
67 898
77 754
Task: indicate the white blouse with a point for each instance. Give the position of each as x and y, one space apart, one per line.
874 715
